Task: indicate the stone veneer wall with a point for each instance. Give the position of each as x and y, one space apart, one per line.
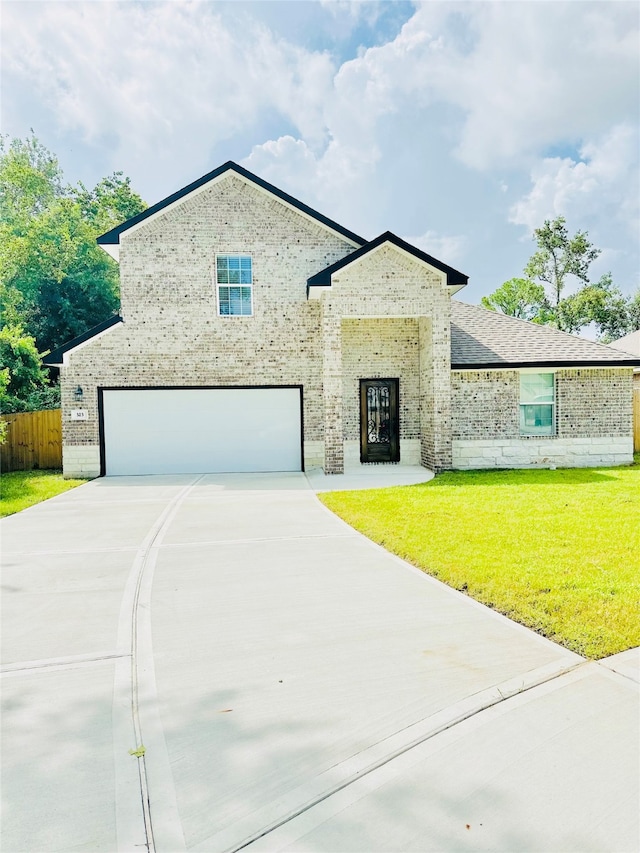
172 334
593 416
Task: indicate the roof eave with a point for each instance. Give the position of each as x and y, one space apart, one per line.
502 365
56 357
455 278
112 237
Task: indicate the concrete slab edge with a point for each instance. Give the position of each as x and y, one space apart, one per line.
133 819
569 656
288 834
56 664
624 663
266 820
168 835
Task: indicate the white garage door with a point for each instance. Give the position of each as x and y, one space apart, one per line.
200 430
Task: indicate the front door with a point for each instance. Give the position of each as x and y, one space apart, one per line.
379 422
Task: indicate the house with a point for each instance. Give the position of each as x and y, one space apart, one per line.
256 334
630 344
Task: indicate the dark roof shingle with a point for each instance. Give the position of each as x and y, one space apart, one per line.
482 338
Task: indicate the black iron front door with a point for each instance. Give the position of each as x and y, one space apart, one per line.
379 422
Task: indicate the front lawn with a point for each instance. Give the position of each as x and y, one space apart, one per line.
558 551
20 489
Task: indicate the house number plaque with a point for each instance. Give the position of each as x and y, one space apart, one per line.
78 415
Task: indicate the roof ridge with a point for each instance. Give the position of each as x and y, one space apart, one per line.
323 277
112 237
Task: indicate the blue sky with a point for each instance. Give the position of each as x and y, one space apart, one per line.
459 126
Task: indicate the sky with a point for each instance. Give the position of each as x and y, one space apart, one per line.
460 127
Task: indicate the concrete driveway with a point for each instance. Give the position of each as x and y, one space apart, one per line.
287 685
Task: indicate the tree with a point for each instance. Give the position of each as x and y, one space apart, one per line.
55 282
519 297
633 310
24 384
560 260
559 256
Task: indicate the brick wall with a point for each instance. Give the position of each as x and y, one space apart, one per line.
593 420
172 334
409 306
484 404
594 403
381 349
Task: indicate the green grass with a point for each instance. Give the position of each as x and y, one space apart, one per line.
558 551
20 489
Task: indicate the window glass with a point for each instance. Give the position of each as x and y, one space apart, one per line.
234 278
537 404
536 388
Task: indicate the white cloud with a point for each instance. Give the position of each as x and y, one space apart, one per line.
162 76
521 75
429 131
540 73
602 183
449 248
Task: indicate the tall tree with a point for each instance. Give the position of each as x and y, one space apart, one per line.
559 256
561 260
54 280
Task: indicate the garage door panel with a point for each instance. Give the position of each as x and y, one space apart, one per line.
184 431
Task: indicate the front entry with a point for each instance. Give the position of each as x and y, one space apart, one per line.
379 421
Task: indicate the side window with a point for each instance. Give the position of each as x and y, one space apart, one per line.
234 282
537 404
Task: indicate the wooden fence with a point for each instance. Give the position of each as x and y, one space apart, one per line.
34 440
636 420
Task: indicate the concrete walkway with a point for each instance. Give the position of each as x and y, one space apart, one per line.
287 685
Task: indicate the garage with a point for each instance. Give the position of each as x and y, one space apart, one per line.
200 430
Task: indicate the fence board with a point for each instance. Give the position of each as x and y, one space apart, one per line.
636 420
34 440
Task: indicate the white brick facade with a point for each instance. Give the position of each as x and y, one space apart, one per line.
385 314
593 420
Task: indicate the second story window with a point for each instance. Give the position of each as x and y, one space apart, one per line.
234 281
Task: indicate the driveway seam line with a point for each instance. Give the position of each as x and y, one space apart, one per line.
58 663
217 542
394 754
126 720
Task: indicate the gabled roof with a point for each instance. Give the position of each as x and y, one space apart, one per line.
323 278
630 343
112 238
487 339
56 356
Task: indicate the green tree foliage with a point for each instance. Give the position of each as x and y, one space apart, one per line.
559 256
24 384
519 297
55 282
559 261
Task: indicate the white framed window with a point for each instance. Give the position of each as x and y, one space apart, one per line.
234 283
537 404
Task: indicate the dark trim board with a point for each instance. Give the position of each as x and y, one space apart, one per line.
514 365
55 357
455 278
101 389
112 237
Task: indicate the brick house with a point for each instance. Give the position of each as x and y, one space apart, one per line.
256 334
